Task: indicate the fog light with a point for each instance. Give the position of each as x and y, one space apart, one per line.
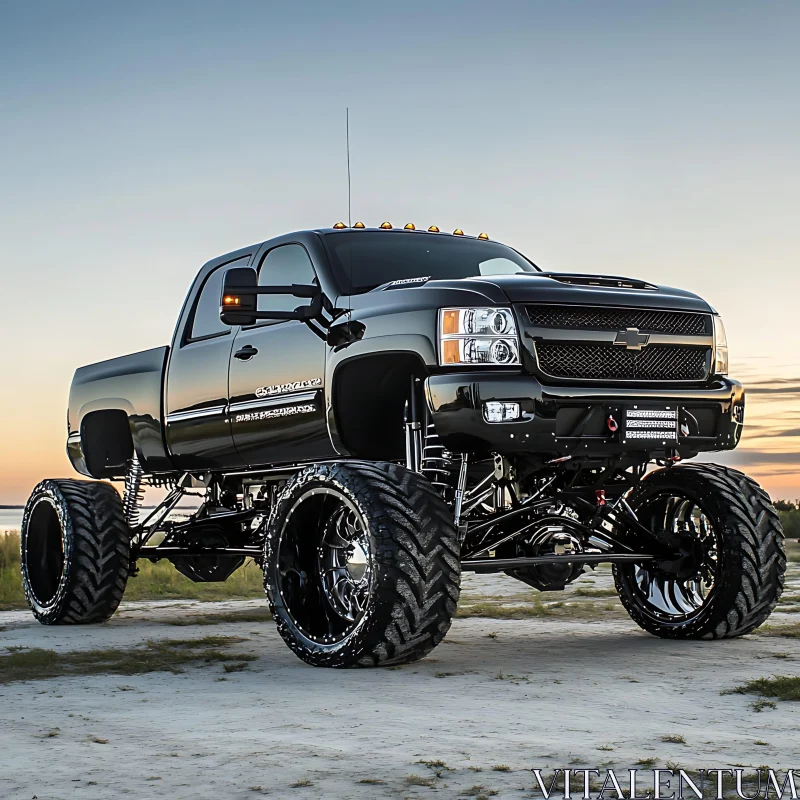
500 412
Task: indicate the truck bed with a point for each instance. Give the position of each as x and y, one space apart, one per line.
131 384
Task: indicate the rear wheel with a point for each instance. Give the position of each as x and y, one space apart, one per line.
362 565
730 571
74 552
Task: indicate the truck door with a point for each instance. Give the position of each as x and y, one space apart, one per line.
198 430
277 374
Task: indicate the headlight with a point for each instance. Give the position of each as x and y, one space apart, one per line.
720 347
478 336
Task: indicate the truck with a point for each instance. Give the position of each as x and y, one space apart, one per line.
367 413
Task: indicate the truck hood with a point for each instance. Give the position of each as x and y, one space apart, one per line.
602 290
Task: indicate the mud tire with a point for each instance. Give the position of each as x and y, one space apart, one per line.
74 552
751 552
413 558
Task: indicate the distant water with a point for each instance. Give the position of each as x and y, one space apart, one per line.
10 519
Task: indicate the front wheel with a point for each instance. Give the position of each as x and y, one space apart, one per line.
362 565
730 573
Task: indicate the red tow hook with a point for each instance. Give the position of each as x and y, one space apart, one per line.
612 424
600 494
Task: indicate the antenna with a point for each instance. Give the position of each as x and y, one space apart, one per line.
347 126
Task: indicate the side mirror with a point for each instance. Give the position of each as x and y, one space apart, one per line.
238 301
239 292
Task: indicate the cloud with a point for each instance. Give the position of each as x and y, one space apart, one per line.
766 389
788 432
756 457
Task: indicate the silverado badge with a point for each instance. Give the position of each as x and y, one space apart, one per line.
286 388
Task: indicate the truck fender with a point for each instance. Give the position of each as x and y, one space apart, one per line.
367 385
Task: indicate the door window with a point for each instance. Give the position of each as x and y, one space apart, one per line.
206 321
284 266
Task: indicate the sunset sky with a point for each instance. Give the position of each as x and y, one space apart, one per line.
138 140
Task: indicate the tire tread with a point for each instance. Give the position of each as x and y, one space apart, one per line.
753 553
98 568
417 548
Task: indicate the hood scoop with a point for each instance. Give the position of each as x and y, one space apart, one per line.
606 281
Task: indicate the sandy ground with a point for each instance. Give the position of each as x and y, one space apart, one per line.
540 692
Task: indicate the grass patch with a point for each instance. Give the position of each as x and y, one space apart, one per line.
419 780
501 768
499 610
299 784
478 792
783 687
793 549
647 763
161 581
673 738
786 631
535 607
579 592
436 763
371 781
11 593
169 655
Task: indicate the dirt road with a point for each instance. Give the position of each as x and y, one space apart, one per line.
573 683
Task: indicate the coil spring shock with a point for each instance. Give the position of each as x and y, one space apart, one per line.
133 494
438 465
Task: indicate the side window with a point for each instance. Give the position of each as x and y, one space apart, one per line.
284 266
206 313
205 320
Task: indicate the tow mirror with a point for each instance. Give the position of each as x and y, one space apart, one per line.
238 304
238 301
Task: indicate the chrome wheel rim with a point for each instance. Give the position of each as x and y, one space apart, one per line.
344 563
670 598
325 573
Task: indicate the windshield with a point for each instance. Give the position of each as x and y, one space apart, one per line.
377 257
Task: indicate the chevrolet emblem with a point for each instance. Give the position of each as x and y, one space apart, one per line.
631 339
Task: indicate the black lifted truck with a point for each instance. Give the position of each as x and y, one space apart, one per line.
366 413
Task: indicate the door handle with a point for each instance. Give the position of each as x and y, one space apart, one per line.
246 353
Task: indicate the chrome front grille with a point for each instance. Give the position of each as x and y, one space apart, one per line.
681 323
601 362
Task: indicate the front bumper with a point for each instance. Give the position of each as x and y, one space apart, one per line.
574 420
